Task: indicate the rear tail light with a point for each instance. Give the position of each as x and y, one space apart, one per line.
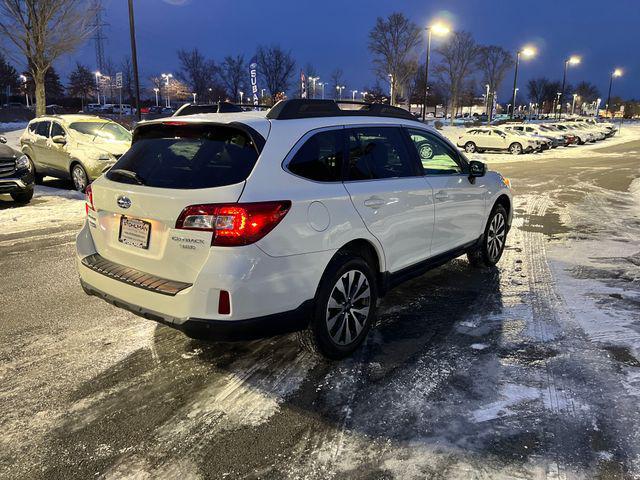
234 224
88 197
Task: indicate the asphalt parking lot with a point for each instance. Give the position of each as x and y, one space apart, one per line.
531 370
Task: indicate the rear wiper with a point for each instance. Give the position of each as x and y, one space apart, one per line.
129 174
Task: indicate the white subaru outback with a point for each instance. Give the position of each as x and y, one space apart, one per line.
230 225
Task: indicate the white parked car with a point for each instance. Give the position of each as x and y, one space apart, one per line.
232 224
582 136
555 138
479 139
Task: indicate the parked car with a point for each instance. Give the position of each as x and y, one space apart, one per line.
125 110
568 138
546 141
219 224
490 138
93 107
16 175
78 147
581 136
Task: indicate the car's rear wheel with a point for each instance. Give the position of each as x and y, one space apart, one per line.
23 196
344 310
79 177
491 246
470 147
515 148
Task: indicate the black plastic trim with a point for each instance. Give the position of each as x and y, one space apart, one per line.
297 108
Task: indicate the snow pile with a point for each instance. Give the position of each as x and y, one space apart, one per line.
12 126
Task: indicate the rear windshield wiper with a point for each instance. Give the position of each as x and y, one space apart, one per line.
129 174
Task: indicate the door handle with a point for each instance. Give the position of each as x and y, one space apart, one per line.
374 202
441 195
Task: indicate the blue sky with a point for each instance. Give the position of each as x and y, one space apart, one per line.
332 34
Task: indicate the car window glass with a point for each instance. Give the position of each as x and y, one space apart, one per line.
378 152
435 155
43 129
33 126
56 129
320 158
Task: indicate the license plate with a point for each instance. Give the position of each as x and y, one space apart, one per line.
134 232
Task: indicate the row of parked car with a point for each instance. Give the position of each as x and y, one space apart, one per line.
518 138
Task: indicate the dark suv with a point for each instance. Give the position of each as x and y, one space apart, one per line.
16 174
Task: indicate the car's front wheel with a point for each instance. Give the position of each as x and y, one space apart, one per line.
23 196
344 310
470 147
79 177
491 246
515 148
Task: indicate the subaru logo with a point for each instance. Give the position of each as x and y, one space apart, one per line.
124 202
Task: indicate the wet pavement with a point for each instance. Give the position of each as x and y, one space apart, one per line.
530 370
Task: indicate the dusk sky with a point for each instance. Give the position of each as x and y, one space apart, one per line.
333 34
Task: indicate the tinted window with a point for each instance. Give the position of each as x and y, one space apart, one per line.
378 152
56 129
33 126
320 158
187 156
436 156
43 129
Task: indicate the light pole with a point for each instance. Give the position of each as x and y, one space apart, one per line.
322 84
241 95
616 73
441 29
23 79
313 81
166 77
210 95
353 94
98 74
340 88
390 89
513 107
156 90
363 95
262 93
573 103
486 100
526 52
194 97
572 60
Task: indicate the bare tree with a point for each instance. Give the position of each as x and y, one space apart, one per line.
494 62
196 71
126 67
536 89
44 30
459 54
393 42
82 83
276 67
587 91
233 72
336 81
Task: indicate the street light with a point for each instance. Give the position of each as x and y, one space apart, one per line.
353 94
156 90
194 96
241 95
363 95
439 29
616 73
526 52
166 77
98 75
573 103
572 60
23 79
340 88
390 89
313 81
322 84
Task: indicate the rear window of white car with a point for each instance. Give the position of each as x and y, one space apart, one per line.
186 156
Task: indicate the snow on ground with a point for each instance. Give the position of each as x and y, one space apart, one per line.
50 207
12 126
627 133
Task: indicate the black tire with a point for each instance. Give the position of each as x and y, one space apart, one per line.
580 141
23 196
320 336
485 254
79 177
470 147
515 148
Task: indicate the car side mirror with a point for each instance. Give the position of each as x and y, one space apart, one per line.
477 169
59 139
3 139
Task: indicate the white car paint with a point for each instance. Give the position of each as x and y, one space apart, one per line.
493 138
406 220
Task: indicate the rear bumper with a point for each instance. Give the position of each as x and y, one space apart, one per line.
259 286
251 328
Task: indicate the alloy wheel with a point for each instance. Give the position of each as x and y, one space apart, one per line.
348 307
79 178
496 236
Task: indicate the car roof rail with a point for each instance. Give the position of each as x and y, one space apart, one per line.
220 107
314 108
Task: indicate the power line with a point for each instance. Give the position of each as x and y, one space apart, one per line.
99 37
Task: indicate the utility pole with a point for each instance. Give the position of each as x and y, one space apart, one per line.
134 59
98 37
